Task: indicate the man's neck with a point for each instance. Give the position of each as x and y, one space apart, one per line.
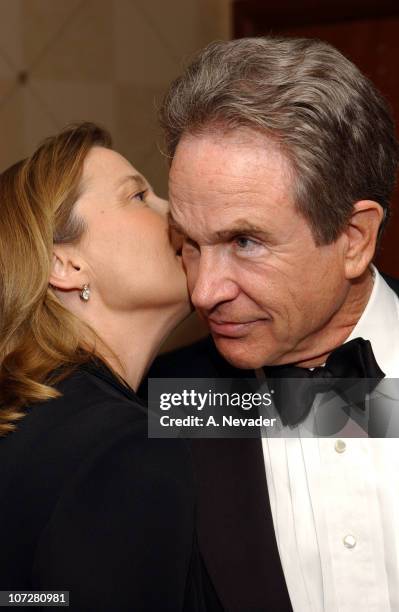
340 326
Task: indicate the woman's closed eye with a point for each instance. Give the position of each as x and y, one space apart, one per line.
140 195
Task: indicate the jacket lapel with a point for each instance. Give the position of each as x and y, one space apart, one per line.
235 525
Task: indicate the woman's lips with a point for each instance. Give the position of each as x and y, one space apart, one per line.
231 329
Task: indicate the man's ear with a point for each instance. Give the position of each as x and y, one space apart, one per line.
361 233
66 273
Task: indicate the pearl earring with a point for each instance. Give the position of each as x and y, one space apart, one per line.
85 293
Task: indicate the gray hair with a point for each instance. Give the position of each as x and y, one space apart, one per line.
335 128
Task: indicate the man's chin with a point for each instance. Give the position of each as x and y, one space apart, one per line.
239 353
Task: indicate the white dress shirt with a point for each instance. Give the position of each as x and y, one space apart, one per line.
335 502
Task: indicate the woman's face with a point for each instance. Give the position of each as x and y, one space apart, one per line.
126 250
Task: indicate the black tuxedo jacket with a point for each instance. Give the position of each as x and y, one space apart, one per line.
235 525
236 530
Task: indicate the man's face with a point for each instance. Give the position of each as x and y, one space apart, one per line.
255 273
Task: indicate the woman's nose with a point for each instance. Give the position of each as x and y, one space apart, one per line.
160 205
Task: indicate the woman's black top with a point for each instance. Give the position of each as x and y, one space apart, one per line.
90 504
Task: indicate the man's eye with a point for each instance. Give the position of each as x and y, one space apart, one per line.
242 242
247 247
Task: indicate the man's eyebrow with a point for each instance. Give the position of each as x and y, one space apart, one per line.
240 227
136 178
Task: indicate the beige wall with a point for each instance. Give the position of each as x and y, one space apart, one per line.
104 60
107 61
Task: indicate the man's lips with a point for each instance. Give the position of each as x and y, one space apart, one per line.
232 329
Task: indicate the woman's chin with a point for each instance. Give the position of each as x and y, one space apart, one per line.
184 307
180 295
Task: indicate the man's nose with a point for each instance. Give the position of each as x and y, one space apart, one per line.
213 283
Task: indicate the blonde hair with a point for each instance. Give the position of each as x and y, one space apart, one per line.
40 340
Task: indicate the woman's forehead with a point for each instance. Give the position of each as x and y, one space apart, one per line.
107 164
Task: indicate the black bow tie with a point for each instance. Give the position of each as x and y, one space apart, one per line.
351 361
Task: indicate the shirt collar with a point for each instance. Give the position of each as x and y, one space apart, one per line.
379 324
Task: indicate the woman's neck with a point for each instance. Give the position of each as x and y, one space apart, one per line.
130 341
127 340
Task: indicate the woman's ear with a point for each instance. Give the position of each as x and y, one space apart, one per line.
66 273
362 233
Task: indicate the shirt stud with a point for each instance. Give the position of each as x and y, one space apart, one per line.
349 541
340 446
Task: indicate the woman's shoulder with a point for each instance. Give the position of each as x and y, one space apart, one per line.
95 416
91 401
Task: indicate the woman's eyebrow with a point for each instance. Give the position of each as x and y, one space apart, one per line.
138 179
